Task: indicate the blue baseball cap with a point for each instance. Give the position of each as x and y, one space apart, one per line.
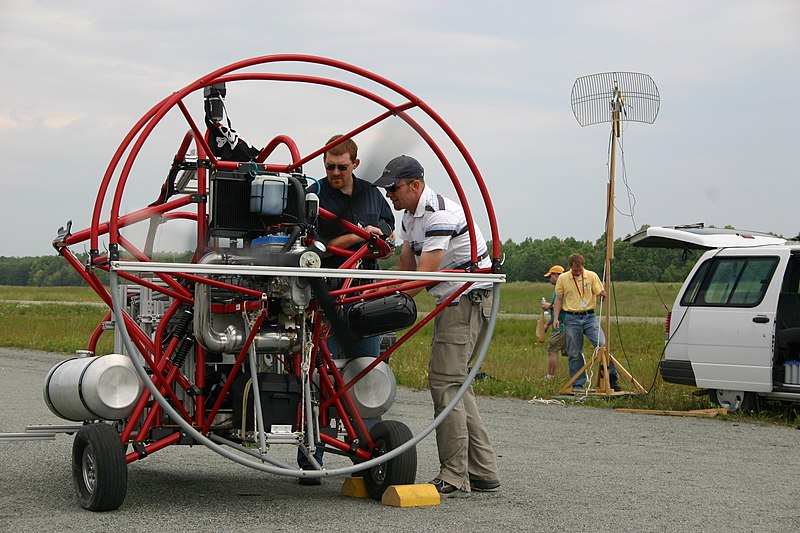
399 168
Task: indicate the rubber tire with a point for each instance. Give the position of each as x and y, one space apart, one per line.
402 470
735 401
99 470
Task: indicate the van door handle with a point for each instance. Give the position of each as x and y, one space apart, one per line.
761 319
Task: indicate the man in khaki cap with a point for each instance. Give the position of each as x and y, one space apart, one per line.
558 339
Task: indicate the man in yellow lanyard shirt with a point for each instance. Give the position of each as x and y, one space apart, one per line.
576 293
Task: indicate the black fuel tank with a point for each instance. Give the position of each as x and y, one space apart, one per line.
369 318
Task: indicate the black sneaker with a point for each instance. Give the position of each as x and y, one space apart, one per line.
615 386
484 485
447 490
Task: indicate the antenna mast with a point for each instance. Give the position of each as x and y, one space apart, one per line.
612 97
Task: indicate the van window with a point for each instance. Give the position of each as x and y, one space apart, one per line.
788 316
730 282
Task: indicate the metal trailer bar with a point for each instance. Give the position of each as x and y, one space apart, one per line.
27 436
47 432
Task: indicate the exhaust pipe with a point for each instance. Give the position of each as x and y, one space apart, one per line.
228 341
270 339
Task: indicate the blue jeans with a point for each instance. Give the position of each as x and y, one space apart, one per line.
368 347
576 327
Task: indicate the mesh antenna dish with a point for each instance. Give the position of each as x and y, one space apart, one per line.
596 96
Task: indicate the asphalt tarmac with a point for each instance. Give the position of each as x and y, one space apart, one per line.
563 468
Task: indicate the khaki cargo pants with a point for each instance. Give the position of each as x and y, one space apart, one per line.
464 447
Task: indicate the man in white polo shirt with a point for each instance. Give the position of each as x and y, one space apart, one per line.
434 231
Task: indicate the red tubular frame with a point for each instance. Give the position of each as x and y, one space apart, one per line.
166 375
147 123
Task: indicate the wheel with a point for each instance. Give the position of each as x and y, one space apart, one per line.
734 401
402 470
99 471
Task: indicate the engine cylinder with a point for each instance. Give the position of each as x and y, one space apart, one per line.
93 388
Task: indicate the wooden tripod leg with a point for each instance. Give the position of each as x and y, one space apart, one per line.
603 379
567 389
621 369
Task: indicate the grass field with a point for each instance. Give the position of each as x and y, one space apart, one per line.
630 298
516 363
48 294
51 327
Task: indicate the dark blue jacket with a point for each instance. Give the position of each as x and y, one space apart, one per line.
366 206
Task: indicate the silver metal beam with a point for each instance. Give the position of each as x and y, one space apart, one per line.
27 436
48 432
54 428
255 270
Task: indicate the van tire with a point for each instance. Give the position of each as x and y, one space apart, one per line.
735 401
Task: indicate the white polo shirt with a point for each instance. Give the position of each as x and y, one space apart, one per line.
439 223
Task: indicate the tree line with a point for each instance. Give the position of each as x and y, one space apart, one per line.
530 259
42 271
524 261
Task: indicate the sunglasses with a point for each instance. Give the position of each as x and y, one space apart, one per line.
331 167
393 188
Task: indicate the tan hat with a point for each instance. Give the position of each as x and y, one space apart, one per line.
555 269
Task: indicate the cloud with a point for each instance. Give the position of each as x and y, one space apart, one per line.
30 121
77 77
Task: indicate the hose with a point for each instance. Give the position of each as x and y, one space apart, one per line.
256 463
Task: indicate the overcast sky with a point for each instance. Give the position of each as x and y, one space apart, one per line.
76 76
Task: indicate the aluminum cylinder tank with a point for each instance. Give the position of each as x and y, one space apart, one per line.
374 394
105 387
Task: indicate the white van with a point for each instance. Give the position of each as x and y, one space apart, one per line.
734 328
